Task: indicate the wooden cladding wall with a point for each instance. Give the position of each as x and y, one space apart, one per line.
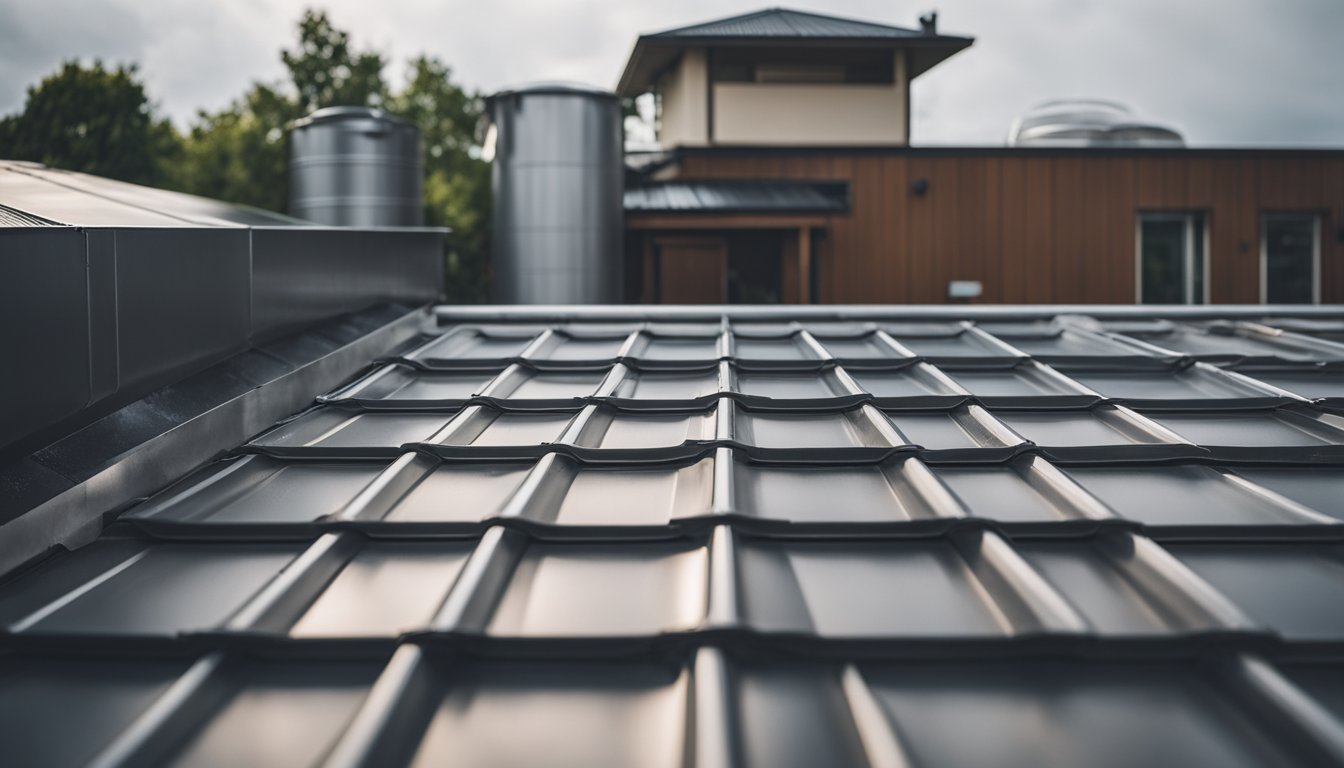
1036 228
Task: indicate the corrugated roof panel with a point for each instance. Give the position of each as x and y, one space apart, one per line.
692 542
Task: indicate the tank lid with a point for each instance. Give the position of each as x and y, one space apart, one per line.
338 114
552 87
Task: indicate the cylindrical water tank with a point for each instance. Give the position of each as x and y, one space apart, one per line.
558 180
355 167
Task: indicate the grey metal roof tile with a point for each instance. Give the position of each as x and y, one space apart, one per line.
1320 488
398 382
615 431
789 541
809 587
491 428
277 713
1003 494
827 494
672 348
868 346
1027 380
1295 589
258 489
798 386
63 711
327 427
614 714
468 492
1281 428
655 385
1323 680
635 496
476 343
1090 711
386 589
795 715
1074 428
785 348
1187 385
851 429
917 380
1099 586
627 589
1310 383
159 589
1184 495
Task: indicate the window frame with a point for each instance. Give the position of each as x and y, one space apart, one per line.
1315 217
1189 217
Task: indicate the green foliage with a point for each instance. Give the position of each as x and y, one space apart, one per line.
100 121
326 73
92 119
239 153
457 181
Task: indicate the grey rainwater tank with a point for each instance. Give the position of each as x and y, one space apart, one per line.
355 167
558 180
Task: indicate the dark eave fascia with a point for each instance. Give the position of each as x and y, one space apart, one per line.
636 78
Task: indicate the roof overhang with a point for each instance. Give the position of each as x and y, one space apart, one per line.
653 55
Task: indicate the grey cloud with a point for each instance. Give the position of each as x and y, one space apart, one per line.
1223 71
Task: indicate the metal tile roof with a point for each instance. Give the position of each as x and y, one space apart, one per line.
782 27
768 540
737 197
782 22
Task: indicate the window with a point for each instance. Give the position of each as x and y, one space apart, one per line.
1172 263
1290 263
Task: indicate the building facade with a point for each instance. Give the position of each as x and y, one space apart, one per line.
837 211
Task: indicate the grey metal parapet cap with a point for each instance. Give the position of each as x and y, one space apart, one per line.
326 228
713 312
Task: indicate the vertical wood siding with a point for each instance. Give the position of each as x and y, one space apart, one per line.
1042 228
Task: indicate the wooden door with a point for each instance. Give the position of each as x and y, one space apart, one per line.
692 270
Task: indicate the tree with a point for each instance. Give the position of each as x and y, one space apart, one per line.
92 119
100 121
326 73
457 180
240 154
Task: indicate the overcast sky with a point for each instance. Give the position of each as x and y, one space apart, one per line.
1225 72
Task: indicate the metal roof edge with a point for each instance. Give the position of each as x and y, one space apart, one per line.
715 312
